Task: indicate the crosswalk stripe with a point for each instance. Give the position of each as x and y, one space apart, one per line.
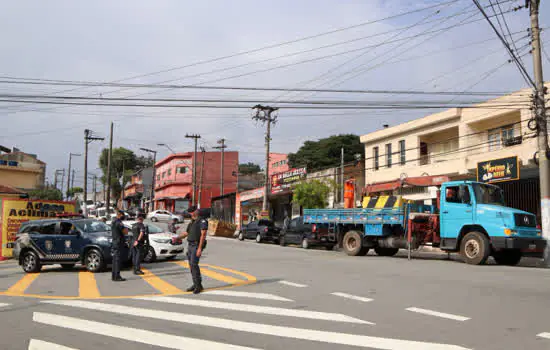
87 285
20 286
159 284
292 284
268 310
35 344
4 304
213 274
544 335
233 293
353 297
438 314
132 334
259 328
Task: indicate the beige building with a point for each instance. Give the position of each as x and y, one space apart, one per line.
455 142
22 171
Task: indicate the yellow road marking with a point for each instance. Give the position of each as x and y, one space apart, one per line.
87 285
249 277
159 284
213 274
23 284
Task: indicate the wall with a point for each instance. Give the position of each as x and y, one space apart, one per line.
275 165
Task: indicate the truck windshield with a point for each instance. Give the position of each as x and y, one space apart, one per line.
488 194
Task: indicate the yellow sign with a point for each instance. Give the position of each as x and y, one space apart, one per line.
16 211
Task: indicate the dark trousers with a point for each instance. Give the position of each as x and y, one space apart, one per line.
115 252
194 263
136 257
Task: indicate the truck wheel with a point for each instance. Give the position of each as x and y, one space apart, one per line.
509 257
353 244
475 248
386 251
31 262
94 261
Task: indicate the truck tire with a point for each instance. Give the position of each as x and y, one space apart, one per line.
386 251
509 257
475 248
353 244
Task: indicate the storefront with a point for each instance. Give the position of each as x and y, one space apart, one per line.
280 198
174 204
248 206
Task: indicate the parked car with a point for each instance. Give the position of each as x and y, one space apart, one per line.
260 230
163 215
160 243
66 242
306 235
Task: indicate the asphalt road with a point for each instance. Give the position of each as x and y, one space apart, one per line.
263 296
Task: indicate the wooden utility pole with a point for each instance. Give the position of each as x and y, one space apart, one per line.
71 155
263 114
109 165
222 146
195 137
203 151
88 138
95 189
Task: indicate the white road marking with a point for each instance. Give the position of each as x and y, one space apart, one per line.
544 335
132 334
353 297
232 293
35 344
4 304
251 327
268 310
292 284
438 314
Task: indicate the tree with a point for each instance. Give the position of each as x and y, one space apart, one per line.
124 164
72 191
312 194
326 153
46 194
249 168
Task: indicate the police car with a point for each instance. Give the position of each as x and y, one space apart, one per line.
65 241
160 243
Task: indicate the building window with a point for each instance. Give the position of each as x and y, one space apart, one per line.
388 155
182 170
158 177
497 136
169 172
375 160
163 174
402 152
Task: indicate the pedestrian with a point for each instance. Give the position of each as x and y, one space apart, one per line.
118 232
196 243
140 234
172 226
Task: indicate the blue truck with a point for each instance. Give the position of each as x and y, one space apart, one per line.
468 217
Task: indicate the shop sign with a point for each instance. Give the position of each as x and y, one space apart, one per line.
497 170
282 182
16 211
251 194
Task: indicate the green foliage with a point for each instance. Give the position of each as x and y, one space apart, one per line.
326 153
312 194
46 194
72 191
124 164
249 168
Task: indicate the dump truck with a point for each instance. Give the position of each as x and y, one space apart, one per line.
468 217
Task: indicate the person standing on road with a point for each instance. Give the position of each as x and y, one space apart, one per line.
196 242
140 233
118 232
172 228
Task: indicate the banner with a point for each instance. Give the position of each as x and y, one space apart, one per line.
282 182
16 211
497 170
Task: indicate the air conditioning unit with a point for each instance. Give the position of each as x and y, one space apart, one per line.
513 141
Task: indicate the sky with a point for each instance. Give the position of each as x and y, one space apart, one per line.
105 41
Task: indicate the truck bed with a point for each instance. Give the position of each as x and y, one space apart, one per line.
356 216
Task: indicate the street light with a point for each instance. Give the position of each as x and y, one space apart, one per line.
71 155
154 174
165 145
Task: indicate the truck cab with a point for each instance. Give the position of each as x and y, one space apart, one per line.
474 220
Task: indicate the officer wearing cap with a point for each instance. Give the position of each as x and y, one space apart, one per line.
196 242
140 235
118 231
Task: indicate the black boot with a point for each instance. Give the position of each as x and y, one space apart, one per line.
190 289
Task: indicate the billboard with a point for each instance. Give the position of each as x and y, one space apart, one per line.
497 170
282 182
13 212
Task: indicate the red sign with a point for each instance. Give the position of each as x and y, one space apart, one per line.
282 182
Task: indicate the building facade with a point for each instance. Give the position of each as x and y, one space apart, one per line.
494 137
22 171
138 192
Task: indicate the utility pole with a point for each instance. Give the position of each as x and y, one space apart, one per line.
69 172
72 178
109 165
540 115
62 181
203 151
88 138
263 114
154 175
222 147
342 177
95 189
195 137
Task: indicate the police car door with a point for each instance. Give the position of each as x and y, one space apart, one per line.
45 241
67 241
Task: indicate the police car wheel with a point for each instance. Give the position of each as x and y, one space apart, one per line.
31 262
151 256
94 261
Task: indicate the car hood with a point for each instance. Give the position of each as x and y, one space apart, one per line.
506 211
162 235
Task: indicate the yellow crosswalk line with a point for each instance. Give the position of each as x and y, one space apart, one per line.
249 277
213 274
87 285
22 285
158 283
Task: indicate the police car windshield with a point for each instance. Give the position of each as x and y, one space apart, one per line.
91 226
154 229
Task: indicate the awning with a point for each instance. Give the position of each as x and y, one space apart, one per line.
187 196
421 181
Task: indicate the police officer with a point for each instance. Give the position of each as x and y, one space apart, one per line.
196 242
140 234
118 231
172 226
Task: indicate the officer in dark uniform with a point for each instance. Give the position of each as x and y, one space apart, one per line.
172 227
118 231
196 242
140 235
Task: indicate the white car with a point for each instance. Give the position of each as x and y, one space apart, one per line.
163 215
160 243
